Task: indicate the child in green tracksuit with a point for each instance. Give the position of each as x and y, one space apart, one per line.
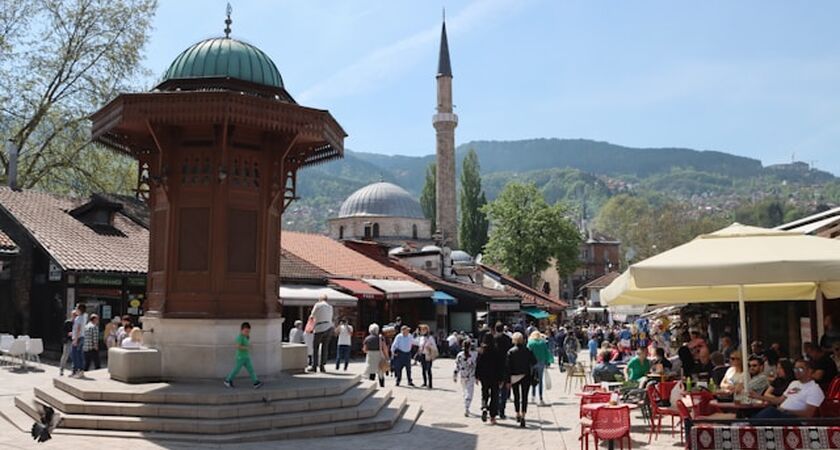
243 357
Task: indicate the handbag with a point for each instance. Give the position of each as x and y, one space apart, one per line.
310 325
384 362
547 379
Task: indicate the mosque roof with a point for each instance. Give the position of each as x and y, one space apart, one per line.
224 57
381 199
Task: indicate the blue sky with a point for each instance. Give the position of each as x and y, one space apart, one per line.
757 78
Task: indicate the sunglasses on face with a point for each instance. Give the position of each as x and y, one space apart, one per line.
798 369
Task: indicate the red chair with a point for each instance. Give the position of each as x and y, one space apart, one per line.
586 416
685 414
664 388
831 405
592 388
612 423
701 404
658 412
834 389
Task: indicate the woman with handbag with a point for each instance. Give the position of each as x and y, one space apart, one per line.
538 346
427 351
376 354
520 363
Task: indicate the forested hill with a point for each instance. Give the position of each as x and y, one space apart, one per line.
562 168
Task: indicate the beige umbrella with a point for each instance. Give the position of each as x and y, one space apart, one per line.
736 264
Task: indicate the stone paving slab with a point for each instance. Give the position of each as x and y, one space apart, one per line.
441 425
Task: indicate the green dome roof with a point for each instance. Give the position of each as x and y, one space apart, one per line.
225 58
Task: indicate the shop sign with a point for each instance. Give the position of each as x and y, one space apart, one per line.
54 272
106 312
503 306
99 280
137 281
134 303
805 329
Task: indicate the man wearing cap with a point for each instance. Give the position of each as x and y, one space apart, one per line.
322 314
296 333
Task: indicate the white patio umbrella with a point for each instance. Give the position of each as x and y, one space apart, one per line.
736 264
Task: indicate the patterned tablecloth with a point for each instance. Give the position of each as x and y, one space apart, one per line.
744 436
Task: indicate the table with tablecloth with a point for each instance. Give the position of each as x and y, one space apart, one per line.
738 436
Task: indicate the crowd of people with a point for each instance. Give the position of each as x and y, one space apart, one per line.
83 339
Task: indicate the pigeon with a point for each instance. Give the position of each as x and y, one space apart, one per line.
49 420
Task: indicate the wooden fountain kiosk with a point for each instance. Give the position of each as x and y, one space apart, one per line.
219 143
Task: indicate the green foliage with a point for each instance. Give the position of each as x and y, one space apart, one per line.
472 228
647 227
59 62
428 198
768 213
527 231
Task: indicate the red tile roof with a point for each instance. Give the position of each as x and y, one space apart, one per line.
7 245
530 296
293 268
333 257
602 281
72 244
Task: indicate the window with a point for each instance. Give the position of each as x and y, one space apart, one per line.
341 232
375 230
367 231
414 231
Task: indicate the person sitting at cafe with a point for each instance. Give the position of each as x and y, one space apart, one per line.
605 370
824 368
662 360
733 379
638 367
703 362
758 379
781 378
719 367
801 398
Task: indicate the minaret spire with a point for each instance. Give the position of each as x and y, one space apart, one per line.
445 122
444 66
228 21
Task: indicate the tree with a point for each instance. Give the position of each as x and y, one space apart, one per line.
527 231
428 197
59 62
472 228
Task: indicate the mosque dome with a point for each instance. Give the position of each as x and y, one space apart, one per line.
460 256
224 57
381 200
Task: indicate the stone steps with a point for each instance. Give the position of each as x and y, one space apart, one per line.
70 404
396 415
368 408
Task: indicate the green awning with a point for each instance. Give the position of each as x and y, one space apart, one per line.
535 313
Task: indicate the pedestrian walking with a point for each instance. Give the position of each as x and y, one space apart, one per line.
427 351
539 347
91 347
78 344
67 341
571 347
322 312
345 333
465 363
502 342
519 364
243 357
593 349
490 372
401 349
124 330
376 354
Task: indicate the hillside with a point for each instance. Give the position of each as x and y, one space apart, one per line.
571 170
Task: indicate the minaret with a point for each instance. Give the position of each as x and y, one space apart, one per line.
445 122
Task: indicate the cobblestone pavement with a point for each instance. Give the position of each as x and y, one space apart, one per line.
442 424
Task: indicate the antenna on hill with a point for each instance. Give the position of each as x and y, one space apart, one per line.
813 164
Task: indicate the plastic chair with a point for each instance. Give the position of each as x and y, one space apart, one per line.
701 404
685 414
19 350
34 348
586 416
834 389
6 342
658 412
575 372
612 423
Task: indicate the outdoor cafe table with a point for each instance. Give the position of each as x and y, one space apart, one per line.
591 407
741 409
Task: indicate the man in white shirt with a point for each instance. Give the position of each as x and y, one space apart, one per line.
401 349
322 312
296 333
345 333
78 342
801 399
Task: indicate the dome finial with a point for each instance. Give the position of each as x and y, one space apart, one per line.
228 21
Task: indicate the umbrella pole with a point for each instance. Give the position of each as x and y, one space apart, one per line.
744 353
820 317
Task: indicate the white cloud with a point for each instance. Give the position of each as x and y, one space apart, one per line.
387 62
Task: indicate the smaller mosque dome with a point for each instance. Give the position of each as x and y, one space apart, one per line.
460 256
430 248
381 200
224 57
